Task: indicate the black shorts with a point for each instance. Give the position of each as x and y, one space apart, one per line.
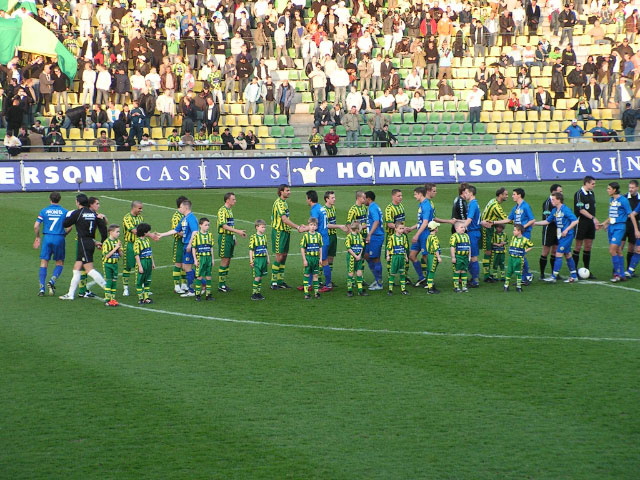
86 247
549 235
629 234
586 229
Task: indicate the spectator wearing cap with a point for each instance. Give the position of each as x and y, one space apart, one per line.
575 132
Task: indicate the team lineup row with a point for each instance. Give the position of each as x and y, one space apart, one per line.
371 234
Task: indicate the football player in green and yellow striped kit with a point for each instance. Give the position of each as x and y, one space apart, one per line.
397 257
258 258
281 227
460 255
433 256
499 248
111 253
226 239
144 261
492 212
518 247
355 251
202 251
130 223
179 275
311 251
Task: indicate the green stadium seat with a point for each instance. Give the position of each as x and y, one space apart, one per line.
430 129
476 139
396 118
434 84
463 106
269 120
276 132
460 117
393 128
438 106
417 129
439 140
413 141
442 129
405 129
489 140
467 129
435 118
341 131
451 140
447 117
326 129
430 96
365 130
450 106
480 128
288 132
455 128
307 97
296 144
464 140
283 143
426 140
422 117
282 120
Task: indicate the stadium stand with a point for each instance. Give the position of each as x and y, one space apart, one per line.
253 75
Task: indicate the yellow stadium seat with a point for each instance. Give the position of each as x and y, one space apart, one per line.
513 139
507 116
564 125
606 113
263 132
616 125
554 127
156 133
229 121
516 127
235 131
542 127
242 120
270 143
590 124
534 71
74 134
467 62
558 115
539 139
255 120
562 139
492 128
561 104
236 109
484 117
504 128
496 117
545 115
511 72
487 105
529 127
90 134
521 116
526 139
547 71
500 105
501 139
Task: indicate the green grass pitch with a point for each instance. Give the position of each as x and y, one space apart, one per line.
484 385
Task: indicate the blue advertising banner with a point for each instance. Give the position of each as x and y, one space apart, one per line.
414 169
159 173
245 172
630 163
495 167
576 165
68 175
10 180
331 171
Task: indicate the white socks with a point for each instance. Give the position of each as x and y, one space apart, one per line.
75 281
97 277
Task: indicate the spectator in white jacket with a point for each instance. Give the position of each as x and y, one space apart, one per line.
319 84
103 84
89 77
166 105
252 94
340 81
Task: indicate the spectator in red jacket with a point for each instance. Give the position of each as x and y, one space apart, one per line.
331 141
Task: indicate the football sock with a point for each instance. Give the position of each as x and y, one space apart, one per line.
57 271
147 290
635 258
82 286
207 287
392 279
315 286
260 285
557 265
378 272
349 284
418 268
372 267
621 265
255 289
75 280
222 275
327 274
191 276
140 288
629 258
474 270
281 274
614 261
43 276
183 276
463 278
198 286
403 284
543 264
125 277
507 280
359 283
576 256
525 268
456 280
430 278
586 259
423 264
305 284
572 267
275 268
177 275
99 279
518 279
486 261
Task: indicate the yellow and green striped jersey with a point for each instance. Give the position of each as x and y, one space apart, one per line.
107 246
392 214
225 217
462 244
493 211
518 246
354 242
176 218
358 214
258 244
499 238
331 219
215 141
280 209
433 244
397 245
129 223
203 243
142 247
171 139
312 243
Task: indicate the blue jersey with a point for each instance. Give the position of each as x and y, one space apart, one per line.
619 210
188 225
522 214
425 212
474 214
562 218
51 218
375 215
320 213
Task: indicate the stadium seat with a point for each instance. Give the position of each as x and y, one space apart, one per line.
426 140
396 118
442 129
467 128
365 131
289 132
340 131
269 120
438 106
435 118
479 128
489 140
282 143
430 129
447 117
439 140
455 129
464 140
460 117
242 120
422 117
296 144
417 129
282 120
276 132
405 130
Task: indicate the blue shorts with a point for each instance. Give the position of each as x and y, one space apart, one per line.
616 233
421 245
374 247
325 251
475 236
52 246
564 243
527 234
187 258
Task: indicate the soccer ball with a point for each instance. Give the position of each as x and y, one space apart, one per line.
584 273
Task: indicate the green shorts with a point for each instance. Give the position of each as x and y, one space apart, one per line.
110 271
462 263
353 265
204 267
280 241
487 235
260 267
514 267
226 245
130 257
313 265
333 246
178 249
398 264
432 263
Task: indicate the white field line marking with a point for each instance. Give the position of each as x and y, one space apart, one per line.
383 331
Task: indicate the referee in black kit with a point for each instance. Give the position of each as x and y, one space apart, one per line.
584 207
549 232
630 236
